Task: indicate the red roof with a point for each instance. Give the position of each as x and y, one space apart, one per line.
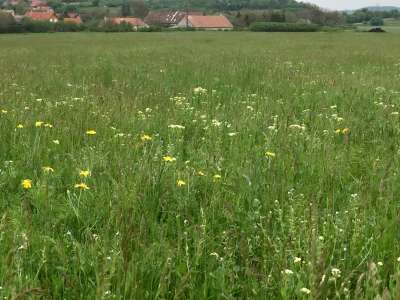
209 22
40 15
129 20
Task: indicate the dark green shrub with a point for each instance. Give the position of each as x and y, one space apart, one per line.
68 27
37 26
376 21
283 27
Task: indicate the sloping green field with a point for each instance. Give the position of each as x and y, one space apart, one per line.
199 166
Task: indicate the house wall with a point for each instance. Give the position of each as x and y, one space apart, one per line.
182 23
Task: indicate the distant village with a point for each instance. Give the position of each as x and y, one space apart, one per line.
20 16
40 11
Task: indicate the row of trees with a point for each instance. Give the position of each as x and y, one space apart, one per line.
366 15
310 14
225 5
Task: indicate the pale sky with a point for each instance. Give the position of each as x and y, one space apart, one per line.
352 4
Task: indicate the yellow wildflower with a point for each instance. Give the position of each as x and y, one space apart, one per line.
20 126
39 124
146 138
180 182
57 142
82 186
26 184
48 125
337 131
346 131
200 173
84 173
270 154
169 158
48 169
217 177
91 132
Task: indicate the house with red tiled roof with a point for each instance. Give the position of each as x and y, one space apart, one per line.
42 15
136 23
206 22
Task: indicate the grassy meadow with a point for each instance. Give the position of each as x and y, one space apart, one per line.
200 166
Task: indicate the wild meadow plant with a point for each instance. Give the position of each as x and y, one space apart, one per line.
199 166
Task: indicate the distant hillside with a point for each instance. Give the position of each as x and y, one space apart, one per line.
382 8
376 9
225 4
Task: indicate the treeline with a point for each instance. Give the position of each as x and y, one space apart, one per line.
283 27
311 14
370 16
225 5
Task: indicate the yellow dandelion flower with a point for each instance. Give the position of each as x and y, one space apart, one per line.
180 182
20 126
84 173
57 142
48 169
270 154
337 131
91 132
200 173
146 138
26 184
346 131
38 123
82 186
4 111
169 158
48 125
217 177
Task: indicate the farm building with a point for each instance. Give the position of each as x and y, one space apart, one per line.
42 15
136 23
168 18
206 22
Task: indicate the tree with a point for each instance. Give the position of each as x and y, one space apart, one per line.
57 5
376 21
278 16
7 22
125 9
139 8
21 8
136 8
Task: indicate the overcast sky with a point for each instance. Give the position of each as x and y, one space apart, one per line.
352 4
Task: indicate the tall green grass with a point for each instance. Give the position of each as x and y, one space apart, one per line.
278 178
